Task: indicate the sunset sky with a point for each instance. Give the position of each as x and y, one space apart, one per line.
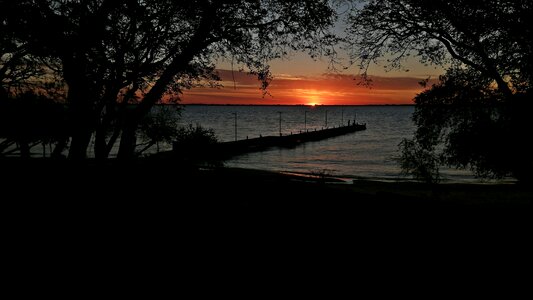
302 80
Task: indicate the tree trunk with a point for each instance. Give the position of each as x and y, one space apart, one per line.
80 143
102 147
112 141
59 148
75 72
100 144
179 64
81 112
128 140
24 148
82 128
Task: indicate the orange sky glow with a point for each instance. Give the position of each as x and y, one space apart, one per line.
285 89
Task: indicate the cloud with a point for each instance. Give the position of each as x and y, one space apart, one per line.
243 88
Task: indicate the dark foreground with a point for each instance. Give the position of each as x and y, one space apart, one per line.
92 216
155 187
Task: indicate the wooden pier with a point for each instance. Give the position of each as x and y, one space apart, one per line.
283 141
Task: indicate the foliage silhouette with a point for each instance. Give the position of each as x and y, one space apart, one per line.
28 120
477 115
115 53
159 126
195 144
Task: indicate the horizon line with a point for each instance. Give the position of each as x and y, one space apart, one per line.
237 104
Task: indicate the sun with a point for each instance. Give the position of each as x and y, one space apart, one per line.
313 98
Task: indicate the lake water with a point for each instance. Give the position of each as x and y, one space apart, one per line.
367 154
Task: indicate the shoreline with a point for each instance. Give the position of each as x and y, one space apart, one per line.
158 194
349 179
456 192
156 179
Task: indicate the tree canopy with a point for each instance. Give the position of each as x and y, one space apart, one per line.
476 116
114 53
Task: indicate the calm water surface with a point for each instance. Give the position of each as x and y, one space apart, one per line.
368 153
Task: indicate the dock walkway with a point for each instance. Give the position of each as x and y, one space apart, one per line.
285 141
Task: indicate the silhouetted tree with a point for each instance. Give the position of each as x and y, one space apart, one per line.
27 120
28 116
114 53
18 69
195 144
476 116
159 126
